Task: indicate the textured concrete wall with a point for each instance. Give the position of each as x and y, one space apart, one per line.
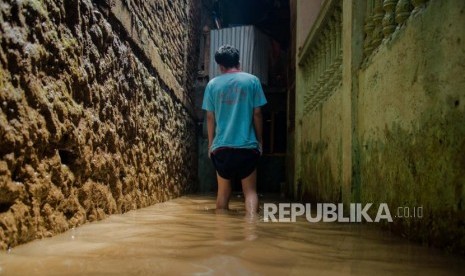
411 117
92 124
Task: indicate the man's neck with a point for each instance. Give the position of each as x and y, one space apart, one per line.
231 70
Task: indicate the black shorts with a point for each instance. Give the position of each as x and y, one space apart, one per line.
235 162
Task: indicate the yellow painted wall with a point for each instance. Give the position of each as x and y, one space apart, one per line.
411 124
321 156
397 123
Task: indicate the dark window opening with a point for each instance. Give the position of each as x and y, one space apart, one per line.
274 133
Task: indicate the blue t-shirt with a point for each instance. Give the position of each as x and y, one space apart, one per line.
232 97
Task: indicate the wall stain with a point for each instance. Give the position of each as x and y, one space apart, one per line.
422 167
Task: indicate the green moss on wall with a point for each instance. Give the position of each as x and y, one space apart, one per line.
421 167
319 182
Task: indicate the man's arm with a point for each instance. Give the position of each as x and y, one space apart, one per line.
258 126
210 129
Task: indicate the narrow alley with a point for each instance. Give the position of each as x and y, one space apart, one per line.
357 138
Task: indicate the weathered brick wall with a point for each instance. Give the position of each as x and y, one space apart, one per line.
89 126
170 19
165 27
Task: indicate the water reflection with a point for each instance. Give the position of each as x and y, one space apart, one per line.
188 236
233 225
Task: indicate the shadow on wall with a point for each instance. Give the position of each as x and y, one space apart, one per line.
206 173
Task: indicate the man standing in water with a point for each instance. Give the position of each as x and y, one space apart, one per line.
233 103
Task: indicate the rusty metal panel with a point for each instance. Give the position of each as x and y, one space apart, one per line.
253 47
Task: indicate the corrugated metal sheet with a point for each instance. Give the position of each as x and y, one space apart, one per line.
253 48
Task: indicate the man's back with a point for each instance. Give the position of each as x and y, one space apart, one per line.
232 97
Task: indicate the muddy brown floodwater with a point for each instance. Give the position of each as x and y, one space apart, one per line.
186 236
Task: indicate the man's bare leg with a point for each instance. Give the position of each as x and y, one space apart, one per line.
249 188
224 193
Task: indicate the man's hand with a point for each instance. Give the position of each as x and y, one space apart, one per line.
258 127
210 130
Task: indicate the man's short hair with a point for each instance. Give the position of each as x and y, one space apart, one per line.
228 56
